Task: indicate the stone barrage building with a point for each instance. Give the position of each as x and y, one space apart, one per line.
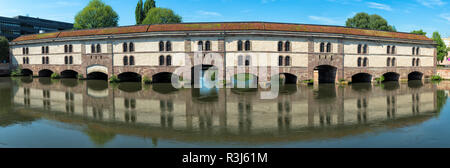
301 52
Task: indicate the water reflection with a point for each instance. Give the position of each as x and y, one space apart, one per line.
225 115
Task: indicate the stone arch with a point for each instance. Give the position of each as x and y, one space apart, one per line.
130 77
415 75
162 77
27 72
326 73
97 68
198 72
45 73
287 78
69 74
362 78
391 76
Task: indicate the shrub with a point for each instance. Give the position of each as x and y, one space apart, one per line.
55 76
114 79
310 81
436 78
16 72
146 80
80 76
380 79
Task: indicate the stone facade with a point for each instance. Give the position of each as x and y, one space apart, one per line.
308 52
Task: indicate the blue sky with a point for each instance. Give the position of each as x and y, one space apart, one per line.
405 15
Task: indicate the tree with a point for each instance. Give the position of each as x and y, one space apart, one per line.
419 32
4 50
161 16
441 48
142 10
366 21
139 13
96 15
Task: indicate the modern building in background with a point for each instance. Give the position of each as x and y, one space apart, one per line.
12 28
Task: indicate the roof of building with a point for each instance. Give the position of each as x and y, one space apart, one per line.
227 26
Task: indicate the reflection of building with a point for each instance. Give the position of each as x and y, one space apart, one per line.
14 27
235 114
156 51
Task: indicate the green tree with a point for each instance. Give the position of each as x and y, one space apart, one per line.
139 13
96 15
441 48
161 16
4 49
148 5
366 21
419 32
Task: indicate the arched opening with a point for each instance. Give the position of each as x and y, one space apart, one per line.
327 74
45 73
362 78
198 74
97 76
130 77
245 81
27 72
69 74
415 76
391 76
286 78
163 77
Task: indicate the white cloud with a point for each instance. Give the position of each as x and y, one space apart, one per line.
323 20
379 6
431 3
208 13
445 16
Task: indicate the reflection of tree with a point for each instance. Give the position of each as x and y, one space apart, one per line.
99 138
441 100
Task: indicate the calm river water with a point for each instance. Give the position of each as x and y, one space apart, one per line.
41 112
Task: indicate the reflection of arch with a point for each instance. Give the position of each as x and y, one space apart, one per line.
130 87
361 87
27 72
162 77
416 84
69 74
97 85
415 75
45 73
288 89
97 76
362 78
391 86
163 88
69 82
45 81
391 76
327 73
26 79
130 77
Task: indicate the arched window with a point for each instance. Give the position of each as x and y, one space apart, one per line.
99 48
280 61
280 46
240 60
168 46
27 51
388 50
24 60
200 46
393 50
365 62
70 48
359 61
125 60
66 49
47 60
92 48
240 44
161 46
413 62
365 49
328 47
418 51
131 47
71 60
125 47
388 62
132 60
247 60
208 46
47 50
247 45
417 62
287 61
161 60
322 47
287 46
393 62
43 50
359 48
414 51
169 60
66 60
28 60
23 51
43 60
